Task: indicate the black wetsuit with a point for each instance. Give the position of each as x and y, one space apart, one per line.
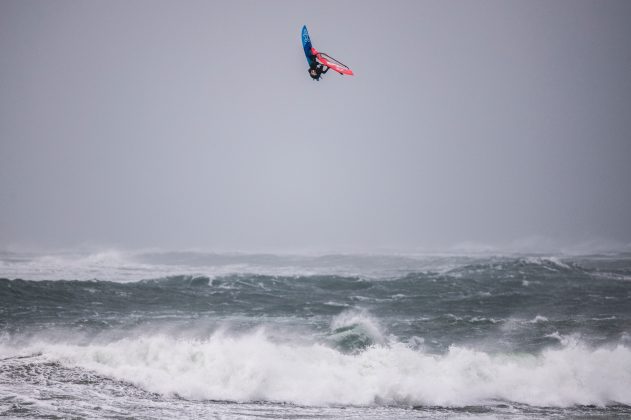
318 69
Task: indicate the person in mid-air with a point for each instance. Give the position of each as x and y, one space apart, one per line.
316 70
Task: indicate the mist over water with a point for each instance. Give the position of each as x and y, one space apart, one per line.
520 336
196 125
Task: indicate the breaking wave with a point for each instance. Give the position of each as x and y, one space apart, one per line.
254 367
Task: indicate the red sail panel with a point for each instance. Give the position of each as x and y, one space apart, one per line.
331 62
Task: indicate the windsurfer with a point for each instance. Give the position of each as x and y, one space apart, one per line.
316 70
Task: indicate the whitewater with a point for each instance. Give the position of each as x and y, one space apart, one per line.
195 334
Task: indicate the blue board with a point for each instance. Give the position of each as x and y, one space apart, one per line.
306 45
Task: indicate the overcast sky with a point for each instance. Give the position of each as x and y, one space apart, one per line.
194 124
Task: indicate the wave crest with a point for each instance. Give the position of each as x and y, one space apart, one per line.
253 367
355 330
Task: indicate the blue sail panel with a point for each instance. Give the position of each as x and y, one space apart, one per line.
306 45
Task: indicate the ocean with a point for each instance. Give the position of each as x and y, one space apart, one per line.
162 335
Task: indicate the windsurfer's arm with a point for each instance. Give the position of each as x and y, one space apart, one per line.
325 69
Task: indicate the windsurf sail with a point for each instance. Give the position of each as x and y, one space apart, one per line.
331 62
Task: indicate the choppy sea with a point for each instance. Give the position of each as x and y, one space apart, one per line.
162 335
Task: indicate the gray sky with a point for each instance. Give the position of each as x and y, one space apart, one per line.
180 124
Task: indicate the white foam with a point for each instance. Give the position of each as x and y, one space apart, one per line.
484 319
252 367
550 263
537 319
120 266
108 265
